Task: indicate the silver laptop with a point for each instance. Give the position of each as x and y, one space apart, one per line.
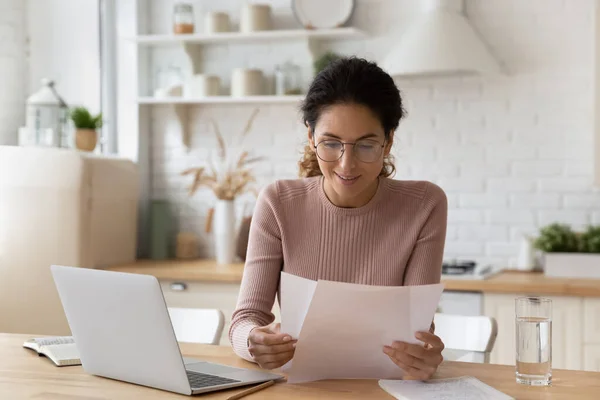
123 331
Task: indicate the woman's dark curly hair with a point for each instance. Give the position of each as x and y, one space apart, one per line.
358 81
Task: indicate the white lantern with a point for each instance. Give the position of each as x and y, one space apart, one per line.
47 115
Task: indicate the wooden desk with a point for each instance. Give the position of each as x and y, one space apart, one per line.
24 375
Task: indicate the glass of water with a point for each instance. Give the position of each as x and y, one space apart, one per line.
534 340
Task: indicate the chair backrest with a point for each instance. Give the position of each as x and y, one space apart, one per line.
197 325
476 334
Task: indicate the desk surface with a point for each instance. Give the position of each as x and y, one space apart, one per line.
504 282
25 375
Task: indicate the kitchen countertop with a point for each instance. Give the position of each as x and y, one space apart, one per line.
185 270
529 283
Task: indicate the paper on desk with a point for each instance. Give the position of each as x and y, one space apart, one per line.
464 387
347 325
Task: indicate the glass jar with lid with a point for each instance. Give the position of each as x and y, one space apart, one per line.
183 18
293 79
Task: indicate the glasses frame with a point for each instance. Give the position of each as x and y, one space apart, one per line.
344 149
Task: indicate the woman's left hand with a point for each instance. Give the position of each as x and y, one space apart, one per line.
418 361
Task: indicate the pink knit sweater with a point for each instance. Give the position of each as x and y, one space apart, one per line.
396 239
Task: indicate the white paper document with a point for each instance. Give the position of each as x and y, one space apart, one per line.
298 294
342 327
461 388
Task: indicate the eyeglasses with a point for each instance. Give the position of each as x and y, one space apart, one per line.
365 150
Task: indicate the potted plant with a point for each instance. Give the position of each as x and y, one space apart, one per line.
228 178
570 254
589 241
86 128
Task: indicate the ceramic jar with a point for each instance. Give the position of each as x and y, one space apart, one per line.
255 17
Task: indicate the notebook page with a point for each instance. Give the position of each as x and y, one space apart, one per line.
461 388
46 341
62 352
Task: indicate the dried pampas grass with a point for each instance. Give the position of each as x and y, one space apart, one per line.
232 177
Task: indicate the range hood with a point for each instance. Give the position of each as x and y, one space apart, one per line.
441 42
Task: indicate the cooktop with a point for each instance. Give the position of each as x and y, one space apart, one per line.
466 269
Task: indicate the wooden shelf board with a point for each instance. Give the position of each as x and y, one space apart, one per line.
239 37
223 100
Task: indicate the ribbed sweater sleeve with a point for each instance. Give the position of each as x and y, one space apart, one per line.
262 268
425 263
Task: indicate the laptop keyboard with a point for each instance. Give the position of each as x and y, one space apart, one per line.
199 380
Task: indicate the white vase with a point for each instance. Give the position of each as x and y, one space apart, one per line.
224 231
526 258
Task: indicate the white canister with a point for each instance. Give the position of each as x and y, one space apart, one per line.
247 82
255 17
202 85
215 22
526 257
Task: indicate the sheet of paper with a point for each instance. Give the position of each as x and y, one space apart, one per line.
294 305
347 325
295 302
464 387
423 303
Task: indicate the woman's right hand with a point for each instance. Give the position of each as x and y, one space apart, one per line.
270 348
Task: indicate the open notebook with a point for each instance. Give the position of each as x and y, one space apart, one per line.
60 349
459 388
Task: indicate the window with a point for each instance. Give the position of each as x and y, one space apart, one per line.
108 74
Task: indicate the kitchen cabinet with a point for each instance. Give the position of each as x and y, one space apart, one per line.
461 303
591 322
502 308
567 329
207 295
591 334
591 357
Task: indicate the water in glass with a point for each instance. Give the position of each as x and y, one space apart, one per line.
534 350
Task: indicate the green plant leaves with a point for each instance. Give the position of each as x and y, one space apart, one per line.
560 238
589 241
82 119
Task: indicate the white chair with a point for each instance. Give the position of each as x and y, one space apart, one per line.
197 325
473 335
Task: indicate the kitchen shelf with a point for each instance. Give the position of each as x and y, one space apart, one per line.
223 100
241 37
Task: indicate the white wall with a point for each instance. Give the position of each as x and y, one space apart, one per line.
13 69
512 153
56 39
64 46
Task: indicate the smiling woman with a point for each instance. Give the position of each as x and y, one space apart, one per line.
345 220
352 103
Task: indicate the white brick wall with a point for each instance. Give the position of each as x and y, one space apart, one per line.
13 69
512 153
